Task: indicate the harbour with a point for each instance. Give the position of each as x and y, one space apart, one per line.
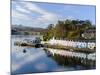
24 55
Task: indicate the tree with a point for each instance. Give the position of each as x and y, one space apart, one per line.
49 33
68 29
26 33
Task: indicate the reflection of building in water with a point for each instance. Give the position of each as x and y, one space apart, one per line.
73 43
91 56
74 58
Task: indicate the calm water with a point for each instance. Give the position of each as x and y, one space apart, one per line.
34 60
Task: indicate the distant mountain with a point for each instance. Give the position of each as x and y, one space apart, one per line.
25 28
19 29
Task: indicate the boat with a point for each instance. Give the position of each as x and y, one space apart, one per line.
30 42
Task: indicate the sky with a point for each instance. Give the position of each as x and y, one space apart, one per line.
35 14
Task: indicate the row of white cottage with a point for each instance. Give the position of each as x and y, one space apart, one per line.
71 43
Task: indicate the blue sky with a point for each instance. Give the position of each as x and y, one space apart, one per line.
42 14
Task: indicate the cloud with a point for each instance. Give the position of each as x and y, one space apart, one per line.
18 15
32 13
20 9
41 66
32 7
70 17
25 58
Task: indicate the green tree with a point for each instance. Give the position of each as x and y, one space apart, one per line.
26 33
68 29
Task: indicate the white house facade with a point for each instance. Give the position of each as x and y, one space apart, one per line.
71 43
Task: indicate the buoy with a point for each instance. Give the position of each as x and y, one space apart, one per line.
24 51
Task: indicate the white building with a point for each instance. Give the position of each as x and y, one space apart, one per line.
71 43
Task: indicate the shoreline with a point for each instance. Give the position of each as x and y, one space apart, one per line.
67 48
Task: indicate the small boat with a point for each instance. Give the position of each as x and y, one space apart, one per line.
30 42
38 45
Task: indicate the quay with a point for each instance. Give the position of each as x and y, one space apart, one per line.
68 45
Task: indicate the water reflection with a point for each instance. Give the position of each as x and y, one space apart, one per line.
78 60
33 60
